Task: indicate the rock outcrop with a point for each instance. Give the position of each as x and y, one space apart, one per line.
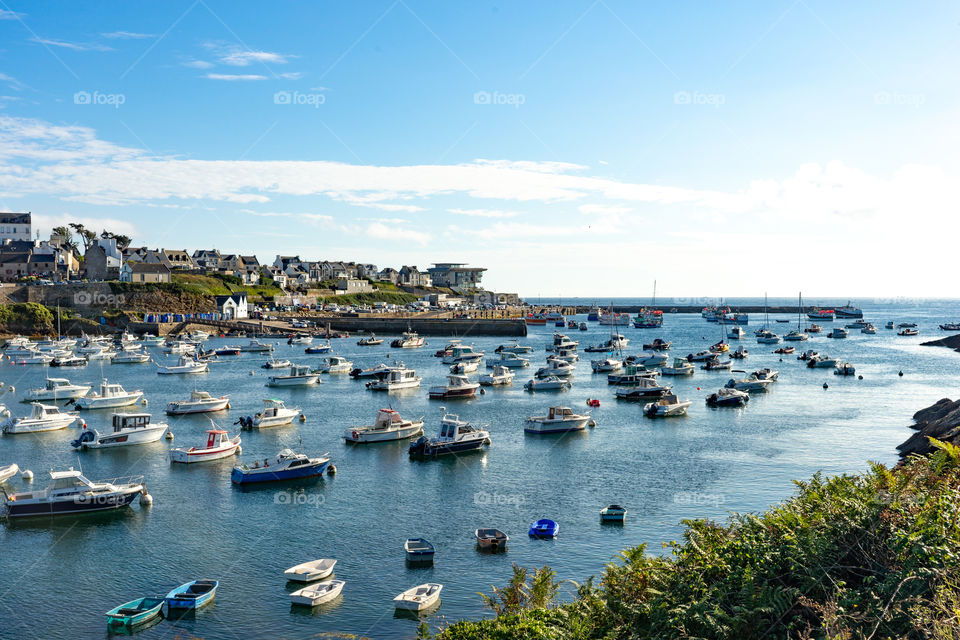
940 420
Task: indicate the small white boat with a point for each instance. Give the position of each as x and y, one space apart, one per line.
219 445
310 571
274 414
130 357
408 340
105 353
767 374
465 367
419 598
128 429
796 336
318 593
768 337
648 359
299 376
255 346
515 347
199 402
43 417
681 367
845 369
35 357
606 365
560 341
822 362
556 369
110 396
299 340
179 348
336 364
509 359
869 329
184 366
557 420
736 333
725 397
666 407
748 384
399 377
644 389
838 332
387 427
276 363
56 389
461 353
499 376
8 472
458 386
550 383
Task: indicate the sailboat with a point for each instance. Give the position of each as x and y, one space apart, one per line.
764 335
797 335
650 318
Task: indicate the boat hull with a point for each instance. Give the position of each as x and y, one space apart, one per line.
184 408
360 436
256 476
133 437
108 403
202 455
559 426
79 504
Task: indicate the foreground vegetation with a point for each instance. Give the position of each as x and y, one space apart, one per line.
870 556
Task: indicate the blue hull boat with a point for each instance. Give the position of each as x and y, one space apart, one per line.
192 595
287 465
419 550
544 529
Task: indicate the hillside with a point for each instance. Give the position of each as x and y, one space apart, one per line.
869 556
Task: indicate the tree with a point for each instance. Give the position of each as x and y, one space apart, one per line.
122 241
89 238
66 237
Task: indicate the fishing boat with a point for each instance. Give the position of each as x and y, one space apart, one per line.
645 389
56 389
544 528
666 407
370 341
681 367
110 396
185 366
398 377
838 332
199 402
458 386
219 445
274 414
748 384
631 375
908 331
317 594
276 363
492 539
192 595
69 492
739 353
419 550
550 383
535 319
387 427
135 612
821 314
298 376
43 417
557 420
613 513
725 397
286 465
128 429
844 369
499 376
658 344
311 571
594 314
419 598
648 319
848 311
255 346
408 340
455 436
336 364
813 328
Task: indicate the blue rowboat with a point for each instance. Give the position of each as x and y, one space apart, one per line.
192 595
134 612
544 529
419 550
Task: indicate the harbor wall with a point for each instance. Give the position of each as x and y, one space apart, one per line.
447 327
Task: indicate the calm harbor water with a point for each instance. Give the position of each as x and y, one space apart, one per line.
61 575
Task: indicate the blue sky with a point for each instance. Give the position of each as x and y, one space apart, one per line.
573 148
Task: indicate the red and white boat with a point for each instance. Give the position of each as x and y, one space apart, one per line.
458 386
219 445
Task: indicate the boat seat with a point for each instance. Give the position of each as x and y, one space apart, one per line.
129 611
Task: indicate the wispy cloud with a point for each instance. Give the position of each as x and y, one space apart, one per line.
235 56
390 232
74 46
127 35
294 75
234 77
11 15
197 64
484 213
12 82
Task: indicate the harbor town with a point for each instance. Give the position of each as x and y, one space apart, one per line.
402 319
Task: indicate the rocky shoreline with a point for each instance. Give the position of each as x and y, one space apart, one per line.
940 420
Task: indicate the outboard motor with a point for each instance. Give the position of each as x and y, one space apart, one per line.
85 437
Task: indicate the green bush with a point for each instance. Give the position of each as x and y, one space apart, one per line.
869 556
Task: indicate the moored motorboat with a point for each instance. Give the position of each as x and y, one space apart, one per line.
557 420
317 594
70 492
56 389
373 372
739 353
297 376
667 406
509 359
110 396
199 402
908 331
556 369
785 350
658 344
192 595
43 417
408 340
8 471
750 383
631 375
324 347
768 337
274 414
185 366
821 362
455 436
128 429
606 365
844 369
725 397
550 383
286 465
645 389
838 332
648 359
255 346
458 386
680 367
370 341
276 363
219 445
499 376
717 365
462 368
395 378
336 364
387 427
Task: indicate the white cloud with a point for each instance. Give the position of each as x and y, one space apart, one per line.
11 15
385 232
484 213
232 77
198 64
127 35
45 223
75 46
293 75
603 210
236 56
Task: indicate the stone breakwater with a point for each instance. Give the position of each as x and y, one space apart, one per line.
445 327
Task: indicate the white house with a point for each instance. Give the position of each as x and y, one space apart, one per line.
233 306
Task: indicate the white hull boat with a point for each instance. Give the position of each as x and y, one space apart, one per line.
311 571
499 376
551 383
299 376
274 414
219 445
557 420
199 402
388 427
128 429
110 396
336 364
185 366
56 389
419 598
317 594
667 407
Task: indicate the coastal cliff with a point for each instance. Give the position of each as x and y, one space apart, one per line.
940 420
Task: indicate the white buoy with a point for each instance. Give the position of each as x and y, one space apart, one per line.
592 423
303 418
169 436
144 402
146 499
239 450
252 372
27 475
11 389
